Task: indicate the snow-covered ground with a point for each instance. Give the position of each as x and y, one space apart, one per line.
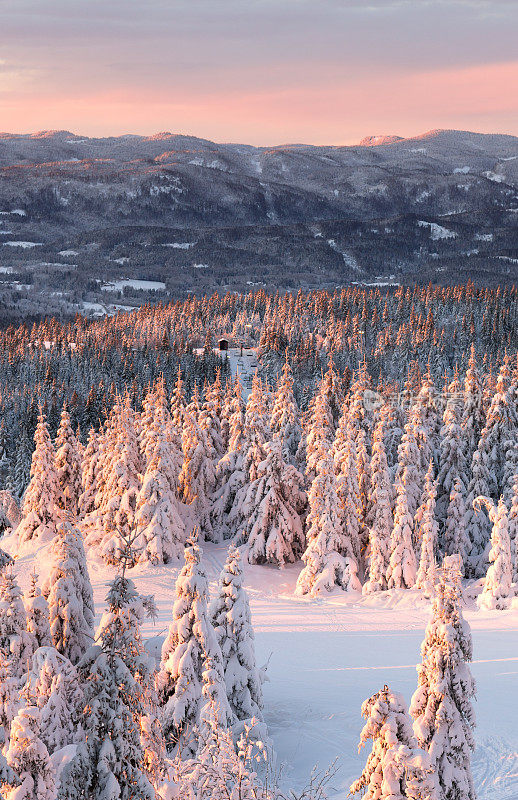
326 656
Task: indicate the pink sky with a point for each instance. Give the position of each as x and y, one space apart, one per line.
281 71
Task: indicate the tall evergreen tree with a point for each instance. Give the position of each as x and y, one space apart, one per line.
497 583
68 465
441 706
190 645
378 552
274 532
68 592
329 558
40 510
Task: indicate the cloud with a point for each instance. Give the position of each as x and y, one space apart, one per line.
178 53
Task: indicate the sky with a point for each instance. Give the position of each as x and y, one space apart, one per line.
259 71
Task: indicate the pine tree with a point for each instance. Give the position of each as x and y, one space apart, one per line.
329 558
513 529
347 488
473 412
476 521
452 462
157 518
501 426
110 763
40 511
53 687
378 553
190 643
29 758
284 420
16 643
402 567
232 620
37 614
274 531
90 467
455 535
497 584
118 485
441 706
197 477
68 465
9 698
68 592
427 535
395 768
22 465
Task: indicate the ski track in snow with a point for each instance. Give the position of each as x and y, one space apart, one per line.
326 656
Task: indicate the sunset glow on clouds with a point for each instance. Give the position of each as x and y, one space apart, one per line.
265 71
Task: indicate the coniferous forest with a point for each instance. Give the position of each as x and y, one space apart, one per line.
361 442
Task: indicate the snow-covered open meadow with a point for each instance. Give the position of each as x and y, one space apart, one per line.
326 656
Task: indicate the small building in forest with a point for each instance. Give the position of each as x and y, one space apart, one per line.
223 344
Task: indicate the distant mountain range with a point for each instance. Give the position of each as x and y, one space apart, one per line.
201 216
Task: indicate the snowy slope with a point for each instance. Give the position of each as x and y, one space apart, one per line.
326 656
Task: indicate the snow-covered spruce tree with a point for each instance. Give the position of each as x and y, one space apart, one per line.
441 706
232 620
273 532
329 558
10 702
53 686
210 415
513 529
229 510
89 470
118 485
396 769
284 419
29 758
345 465
40 510
409 472
501 426
8 778
68 592
157 518
427 536
499 576
191 641
21 472
68 465
257 430
221 771
110 763
452 460
425 420
178 404
510 469
476 521
231 470
473 412
455 539
402 567
320 434
16 643
378 551
197 477
37 614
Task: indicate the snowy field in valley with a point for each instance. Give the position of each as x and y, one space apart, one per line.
326 656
